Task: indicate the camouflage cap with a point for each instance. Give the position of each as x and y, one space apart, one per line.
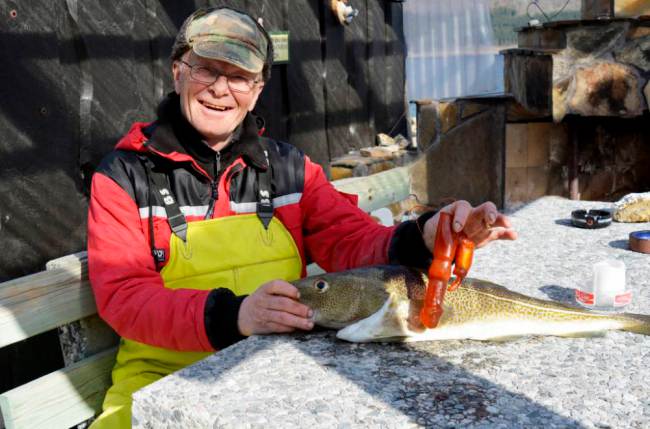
227 35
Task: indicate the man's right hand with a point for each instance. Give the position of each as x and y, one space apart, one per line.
273 308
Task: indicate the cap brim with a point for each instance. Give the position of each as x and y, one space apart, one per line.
236 54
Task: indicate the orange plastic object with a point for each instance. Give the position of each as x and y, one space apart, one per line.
449 247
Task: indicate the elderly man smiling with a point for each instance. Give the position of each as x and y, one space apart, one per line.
197 223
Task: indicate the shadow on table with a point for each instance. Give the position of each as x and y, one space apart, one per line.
565 295
620 244
420 384
564 222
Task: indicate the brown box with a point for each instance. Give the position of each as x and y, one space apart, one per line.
597 9
516 145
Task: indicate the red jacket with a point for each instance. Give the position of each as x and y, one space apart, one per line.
326 225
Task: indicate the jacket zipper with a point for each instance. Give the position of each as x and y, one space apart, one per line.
214 185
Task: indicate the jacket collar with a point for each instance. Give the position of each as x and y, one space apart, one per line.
174 138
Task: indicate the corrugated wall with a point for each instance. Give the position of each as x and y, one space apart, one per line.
75 74
450 47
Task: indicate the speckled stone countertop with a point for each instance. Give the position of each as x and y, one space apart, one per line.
316 381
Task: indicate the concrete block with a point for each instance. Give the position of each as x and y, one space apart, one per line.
448 113
466 163
427 126
470 109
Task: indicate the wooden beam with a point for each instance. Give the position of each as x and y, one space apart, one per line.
377 190
39 302
61 399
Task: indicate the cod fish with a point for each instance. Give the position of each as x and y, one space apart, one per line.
382 303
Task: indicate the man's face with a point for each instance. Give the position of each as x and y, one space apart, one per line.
213 109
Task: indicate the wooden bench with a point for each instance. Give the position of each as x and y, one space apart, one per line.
57 297
61 297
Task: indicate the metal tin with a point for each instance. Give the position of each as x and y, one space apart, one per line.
640 241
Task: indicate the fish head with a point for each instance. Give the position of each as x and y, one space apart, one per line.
341 299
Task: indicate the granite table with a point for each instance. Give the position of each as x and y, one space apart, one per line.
317 381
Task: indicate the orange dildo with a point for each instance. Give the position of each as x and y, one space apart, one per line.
450 247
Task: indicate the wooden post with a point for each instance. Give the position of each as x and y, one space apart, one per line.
574 153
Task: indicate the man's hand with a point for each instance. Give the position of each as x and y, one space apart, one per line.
273 308
481 224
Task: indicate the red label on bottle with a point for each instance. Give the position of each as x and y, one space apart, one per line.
584 297
623 299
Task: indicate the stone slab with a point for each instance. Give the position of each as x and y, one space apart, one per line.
316 381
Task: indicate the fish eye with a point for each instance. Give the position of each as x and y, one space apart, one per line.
321 286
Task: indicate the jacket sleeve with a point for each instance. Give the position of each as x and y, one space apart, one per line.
338 235
129 292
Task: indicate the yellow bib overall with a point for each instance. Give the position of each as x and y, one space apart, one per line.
236 252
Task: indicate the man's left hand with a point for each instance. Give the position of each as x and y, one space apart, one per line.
481 224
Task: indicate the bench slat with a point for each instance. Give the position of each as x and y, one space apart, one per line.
42 301
60 399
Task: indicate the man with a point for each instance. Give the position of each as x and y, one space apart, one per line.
196 222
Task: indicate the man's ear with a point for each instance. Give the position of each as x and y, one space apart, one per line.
176 75
256 96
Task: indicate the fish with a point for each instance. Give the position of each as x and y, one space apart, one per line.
382 304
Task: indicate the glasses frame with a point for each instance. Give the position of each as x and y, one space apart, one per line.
193 67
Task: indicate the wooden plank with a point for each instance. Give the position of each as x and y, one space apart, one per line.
61 399
305 81
378 190
273 105
42 301
338 91
395 97
88 336
356 64
377 76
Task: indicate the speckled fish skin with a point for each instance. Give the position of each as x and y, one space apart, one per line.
381 303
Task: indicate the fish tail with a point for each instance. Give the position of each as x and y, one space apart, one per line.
637 323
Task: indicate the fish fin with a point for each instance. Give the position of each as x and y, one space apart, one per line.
640 323
384 325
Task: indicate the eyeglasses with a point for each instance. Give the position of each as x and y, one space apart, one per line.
209 76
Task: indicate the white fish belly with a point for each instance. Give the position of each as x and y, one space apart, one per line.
390 324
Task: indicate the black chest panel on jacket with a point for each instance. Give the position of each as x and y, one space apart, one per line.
193 189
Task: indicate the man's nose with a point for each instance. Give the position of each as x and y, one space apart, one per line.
220 86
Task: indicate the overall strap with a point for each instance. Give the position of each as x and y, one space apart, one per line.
175 217
264 203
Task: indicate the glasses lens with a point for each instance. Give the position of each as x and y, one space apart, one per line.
239 83
204 74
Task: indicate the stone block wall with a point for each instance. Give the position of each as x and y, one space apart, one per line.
586 68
